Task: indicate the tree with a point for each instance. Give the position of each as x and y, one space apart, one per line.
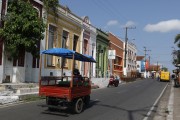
177 40
176 53
51 4
164 69
23 29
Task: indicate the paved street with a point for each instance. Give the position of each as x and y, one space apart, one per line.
130 101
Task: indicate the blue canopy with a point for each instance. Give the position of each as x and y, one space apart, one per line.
66 53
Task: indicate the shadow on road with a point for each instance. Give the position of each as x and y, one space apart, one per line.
130 112
68 111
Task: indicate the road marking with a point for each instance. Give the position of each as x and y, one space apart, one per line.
152 108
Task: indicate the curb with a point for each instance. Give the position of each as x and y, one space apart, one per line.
170 104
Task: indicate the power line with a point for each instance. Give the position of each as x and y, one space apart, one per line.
113 9
105 9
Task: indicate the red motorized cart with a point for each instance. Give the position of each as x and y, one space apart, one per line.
63 91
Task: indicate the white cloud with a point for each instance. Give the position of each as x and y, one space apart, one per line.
112 23
130 24
163 26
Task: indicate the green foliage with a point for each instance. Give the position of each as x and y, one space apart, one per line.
176 53
164 69
177 40
23 29
51 5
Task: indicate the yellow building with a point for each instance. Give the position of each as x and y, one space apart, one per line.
63 31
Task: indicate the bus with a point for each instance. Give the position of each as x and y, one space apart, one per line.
165 76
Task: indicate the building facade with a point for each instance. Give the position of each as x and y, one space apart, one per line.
62 32
3 9
130 59
102 46
88 46
116 65
15 70
140 64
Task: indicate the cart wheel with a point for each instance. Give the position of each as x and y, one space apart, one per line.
87 100
78 107
49 102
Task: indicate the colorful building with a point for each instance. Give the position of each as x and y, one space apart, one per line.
102 46
88 46
63 31
116 64
140 64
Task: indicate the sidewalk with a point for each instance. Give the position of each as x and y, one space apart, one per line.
176 104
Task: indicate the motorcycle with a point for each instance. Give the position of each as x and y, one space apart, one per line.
113 82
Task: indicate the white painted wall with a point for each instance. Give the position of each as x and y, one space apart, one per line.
28 67
93 35
18 74
101 82
1 74
35 75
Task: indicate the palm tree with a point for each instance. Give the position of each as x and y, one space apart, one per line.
177 52
177 40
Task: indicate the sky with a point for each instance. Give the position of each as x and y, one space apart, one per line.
156 23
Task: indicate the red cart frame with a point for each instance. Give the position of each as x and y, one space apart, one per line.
62 92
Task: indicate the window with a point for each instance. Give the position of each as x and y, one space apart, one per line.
52 36
117 60
64 45
35 61
21 58
85 46
65 39
75 41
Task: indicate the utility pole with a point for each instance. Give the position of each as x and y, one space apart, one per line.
145 53
126 40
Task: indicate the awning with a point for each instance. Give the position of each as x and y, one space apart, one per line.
66 53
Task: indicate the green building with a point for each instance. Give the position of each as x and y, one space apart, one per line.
102 44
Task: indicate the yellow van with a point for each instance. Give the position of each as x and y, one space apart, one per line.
164 76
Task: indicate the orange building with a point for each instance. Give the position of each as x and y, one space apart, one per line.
116 65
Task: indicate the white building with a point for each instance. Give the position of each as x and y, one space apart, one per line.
26 68
19 70
88 46
130 59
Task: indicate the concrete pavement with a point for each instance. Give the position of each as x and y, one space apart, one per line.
176 104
